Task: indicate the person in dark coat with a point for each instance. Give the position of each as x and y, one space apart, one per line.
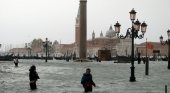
87 81
33 77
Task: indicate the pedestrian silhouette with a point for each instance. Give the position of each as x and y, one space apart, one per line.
33 77
138 58
87 81
144 60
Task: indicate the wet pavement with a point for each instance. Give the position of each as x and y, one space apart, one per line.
59 76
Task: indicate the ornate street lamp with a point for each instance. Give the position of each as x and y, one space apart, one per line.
132 14
133 33
168 43
46 45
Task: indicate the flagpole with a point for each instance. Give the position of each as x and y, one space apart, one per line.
147 60
146 49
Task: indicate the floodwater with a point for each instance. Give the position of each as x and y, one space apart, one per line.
59 76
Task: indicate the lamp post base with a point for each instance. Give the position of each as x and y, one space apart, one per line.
132 77
168 62
168 67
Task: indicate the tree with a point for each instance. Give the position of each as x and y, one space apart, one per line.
37 45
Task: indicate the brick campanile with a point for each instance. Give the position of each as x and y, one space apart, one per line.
77 28
83 29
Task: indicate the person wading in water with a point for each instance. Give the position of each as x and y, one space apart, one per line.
87 81
33 77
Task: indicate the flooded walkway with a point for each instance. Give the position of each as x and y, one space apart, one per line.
57 76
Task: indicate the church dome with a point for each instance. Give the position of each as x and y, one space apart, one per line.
110 33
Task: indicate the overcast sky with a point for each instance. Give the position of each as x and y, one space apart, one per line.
23 20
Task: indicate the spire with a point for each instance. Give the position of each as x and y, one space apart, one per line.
110 28
93 32
93 35
78 16
101 34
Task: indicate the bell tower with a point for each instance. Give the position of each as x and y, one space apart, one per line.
77 28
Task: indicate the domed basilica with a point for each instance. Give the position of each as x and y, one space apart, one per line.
109 41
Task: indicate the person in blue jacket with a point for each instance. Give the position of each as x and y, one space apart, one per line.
33 77
87 81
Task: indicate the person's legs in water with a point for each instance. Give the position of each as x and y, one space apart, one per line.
33 86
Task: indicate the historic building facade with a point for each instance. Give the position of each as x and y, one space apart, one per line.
107 41
152 49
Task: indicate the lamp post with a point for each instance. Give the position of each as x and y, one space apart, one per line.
168 43
0 45
133 33
46 45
